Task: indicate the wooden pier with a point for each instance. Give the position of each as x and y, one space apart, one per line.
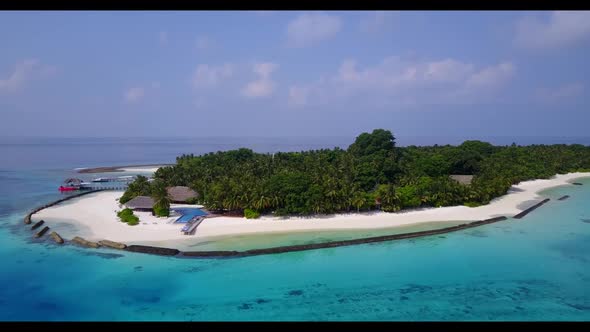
192 225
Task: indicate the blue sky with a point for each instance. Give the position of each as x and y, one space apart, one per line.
286 73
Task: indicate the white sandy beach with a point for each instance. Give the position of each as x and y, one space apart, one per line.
95 217
140 169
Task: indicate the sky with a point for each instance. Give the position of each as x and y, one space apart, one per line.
293 73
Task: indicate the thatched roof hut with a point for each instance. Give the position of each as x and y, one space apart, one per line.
462 179
141 203
72 182
181 194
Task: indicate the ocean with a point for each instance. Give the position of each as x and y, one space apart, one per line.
533 269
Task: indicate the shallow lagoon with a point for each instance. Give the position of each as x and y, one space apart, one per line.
536 268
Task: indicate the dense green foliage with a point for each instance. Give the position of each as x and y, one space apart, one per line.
157 190
139 187
251 214
192 200
161 199
127 216
371 174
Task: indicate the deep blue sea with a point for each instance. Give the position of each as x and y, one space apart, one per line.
533 269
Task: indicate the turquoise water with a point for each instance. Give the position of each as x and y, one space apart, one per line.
536 268
188 214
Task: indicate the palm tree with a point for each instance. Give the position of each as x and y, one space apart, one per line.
160 196
261 202
276 201
359 201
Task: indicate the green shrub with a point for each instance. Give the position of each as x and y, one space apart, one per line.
161 211
192 200
473 204
127 216
127 196
251 214
125 212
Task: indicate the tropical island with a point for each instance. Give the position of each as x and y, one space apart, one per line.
372 174
373 184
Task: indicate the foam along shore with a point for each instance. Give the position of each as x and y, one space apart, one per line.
140 169
94 217
130 168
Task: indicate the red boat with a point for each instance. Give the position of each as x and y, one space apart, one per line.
68 188
70 185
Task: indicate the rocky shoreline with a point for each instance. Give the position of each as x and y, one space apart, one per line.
254 252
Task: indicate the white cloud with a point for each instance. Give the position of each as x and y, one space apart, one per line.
263 86
134 95
376 21
492 76
23 72
310 29
209 76
407 81
163 37
566 92
448 70
563 28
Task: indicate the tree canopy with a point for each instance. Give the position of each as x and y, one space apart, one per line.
371 174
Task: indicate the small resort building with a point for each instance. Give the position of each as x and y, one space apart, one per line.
181 194
141 203
462 179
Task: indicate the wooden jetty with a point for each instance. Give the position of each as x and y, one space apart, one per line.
191 227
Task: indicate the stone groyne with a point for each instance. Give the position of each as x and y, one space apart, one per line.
27 218
532 208
42 232
153 250
112 244
265 251
58 239
85 243
302 247
37 224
